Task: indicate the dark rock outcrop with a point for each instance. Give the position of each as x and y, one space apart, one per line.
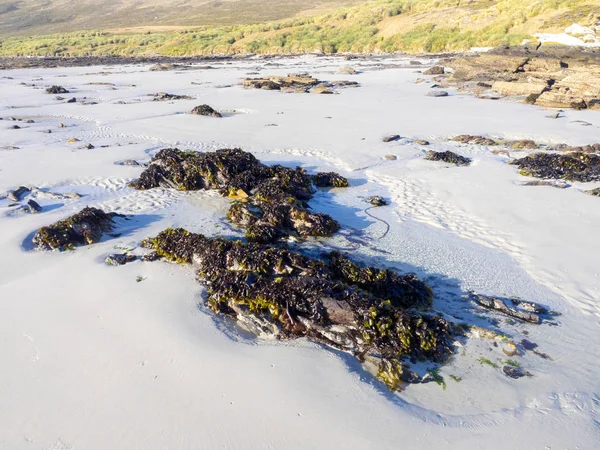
56 90
572 166
206 110
300 83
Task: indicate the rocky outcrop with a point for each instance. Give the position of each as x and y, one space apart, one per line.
270 201
278 293
56 90
550 76
476 140
83 228
299 83
572 166
448 157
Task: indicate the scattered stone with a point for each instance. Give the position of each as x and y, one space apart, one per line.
30 121
500 305
554 116
47 131
448 157
274 292
56 90
321 89
163 96
393 137
348 70
436 93
524 144
128 162
271 201
83 228
17 194
572 166
476 140
33 207
149 257
15 127
119 259
515 372
391 157
435 70
376 200
61 125
421 142
72 100
71 140
205 110
89 146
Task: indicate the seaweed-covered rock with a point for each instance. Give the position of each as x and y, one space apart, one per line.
591 148
279 293
84 228
165 96
447 156
119 259
573 166
56 90
206 110
595 192
477 140
270 200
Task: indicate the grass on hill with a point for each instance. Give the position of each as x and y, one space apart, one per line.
379 26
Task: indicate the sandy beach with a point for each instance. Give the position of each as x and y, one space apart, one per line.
129 357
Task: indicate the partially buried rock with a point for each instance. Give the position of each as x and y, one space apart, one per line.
447 156
435 70
393 137
56 90
278 293
573 166
84 228
528 314
72 100
164 96
477 140
376 200
15 127
119 259
421 142
595 192
270 201
206 110
436 93
33 207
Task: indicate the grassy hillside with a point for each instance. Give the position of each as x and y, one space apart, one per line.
382 25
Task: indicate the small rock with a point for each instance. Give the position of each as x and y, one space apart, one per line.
205 110
118 259
149 257
595 192
523 144
435 70
89 146
15 127
376 200
421 142
477 140
30 121
47 131
391 157
15 196
321 89
33 207
71 140
129 162
56 90
437 94
61 125
72 100
393 137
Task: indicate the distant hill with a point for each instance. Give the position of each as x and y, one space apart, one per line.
381 25
29 17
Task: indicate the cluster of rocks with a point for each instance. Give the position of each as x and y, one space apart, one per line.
272 291
551 76
521 309
271 201
83 228
56 90
165 96
296 83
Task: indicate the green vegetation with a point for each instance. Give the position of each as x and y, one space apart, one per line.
455 378
484 360
512 362
382 25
